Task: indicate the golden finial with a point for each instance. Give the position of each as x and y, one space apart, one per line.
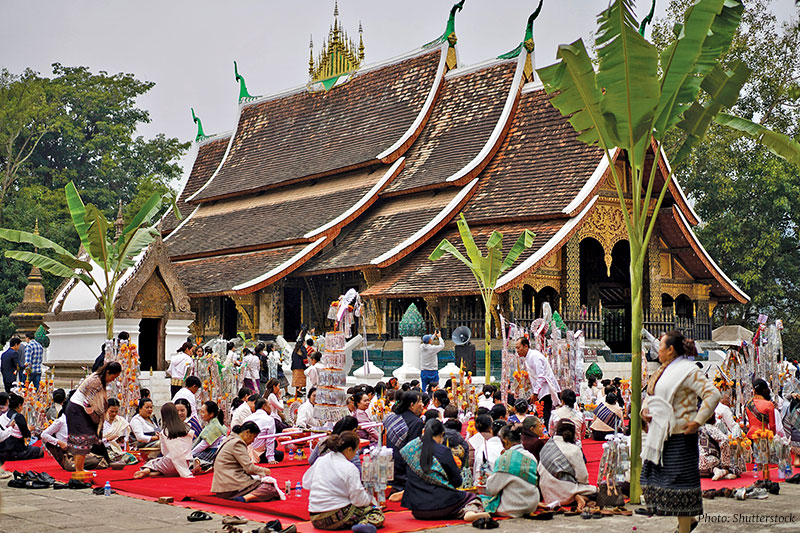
360 41
36 227
336 8
311 56
119 223
339 54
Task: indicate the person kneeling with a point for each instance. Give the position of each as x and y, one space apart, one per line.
234 470
563 477
433 478
511 490
176 448
337 499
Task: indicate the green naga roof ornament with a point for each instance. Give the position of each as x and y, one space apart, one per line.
243 94
449 35
412 324
647 19
200 133
527 43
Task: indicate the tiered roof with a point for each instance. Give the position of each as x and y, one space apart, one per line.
371 173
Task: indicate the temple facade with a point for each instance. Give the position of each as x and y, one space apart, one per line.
351 179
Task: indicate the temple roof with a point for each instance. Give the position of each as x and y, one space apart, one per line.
209 155
287 139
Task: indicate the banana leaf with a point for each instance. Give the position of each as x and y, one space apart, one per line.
473 253
447 247
42 243
524 241
77 211
141 239
97 234
628 73
145 214
777 143
47 264
579 97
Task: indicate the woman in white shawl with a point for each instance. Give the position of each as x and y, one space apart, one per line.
115 432
563 477
176 448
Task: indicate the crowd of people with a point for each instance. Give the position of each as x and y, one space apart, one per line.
514 456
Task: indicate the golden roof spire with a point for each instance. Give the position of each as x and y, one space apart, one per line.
339 54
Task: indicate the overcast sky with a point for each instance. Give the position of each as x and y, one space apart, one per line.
188 47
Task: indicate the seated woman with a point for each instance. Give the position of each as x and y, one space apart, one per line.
760 410
521 407
607 415
486 455
234 467
336 497
563 477
511 489
715 454
452 436
483 429
14 447
207 443
276 405
348 423
433 478
176 448
115 433
568 411
305 413
186 415
144 430
361 401
532 433
55 439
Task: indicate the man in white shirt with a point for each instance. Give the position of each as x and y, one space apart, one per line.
265 442
543 381
188 392
180 366
429 359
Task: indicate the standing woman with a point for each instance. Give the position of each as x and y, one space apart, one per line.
670 454
299 357
85 413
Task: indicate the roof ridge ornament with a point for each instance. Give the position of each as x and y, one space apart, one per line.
201 135
527 44
449 36
647 19
244 96
339 54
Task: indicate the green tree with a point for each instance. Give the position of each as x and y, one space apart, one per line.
635 97
486 269
747 197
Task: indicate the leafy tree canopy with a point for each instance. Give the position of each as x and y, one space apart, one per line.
80 126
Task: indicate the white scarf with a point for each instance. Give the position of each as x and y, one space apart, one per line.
660 408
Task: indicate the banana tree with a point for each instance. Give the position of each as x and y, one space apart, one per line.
631 101
106 258
486 269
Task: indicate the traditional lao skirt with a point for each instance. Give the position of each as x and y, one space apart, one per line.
673 488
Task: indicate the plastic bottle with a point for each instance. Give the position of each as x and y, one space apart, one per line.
291 454
107 489
298 490
288 487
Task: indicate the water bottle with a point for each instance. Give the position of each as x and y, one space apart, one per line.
291 454
107 489
298 490
288 487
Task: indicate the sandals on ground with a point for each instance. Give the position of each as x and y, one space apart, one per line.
198 516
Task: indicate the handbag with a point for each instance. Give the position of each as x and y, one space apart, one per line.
609 496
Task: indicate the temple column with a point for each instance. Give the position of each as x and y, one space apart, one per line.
654 273
572 276
514 300
270 310
375 307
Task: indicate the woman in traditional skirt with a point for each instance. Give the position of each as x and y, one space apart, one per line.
85 412
670 472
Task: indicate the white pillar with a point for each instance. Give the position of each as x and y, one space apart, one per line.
410 369
175 334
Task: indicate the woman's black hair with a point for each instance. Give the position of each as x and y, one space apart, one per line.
566 430
59 396
184 402
433 428
432 414
213 410
109 368
260 347
453 423
229 346
611 398
3 398
348 423
591 380
15 400
761 388
483 423
481 411
497 425
244 392
259 403
405 387
171 422
341 442
451 411
442 397
682 345
311 391
521 406
425 399
568 397
380 389
270 385
246 426
512 433
498 411
488 390
113 402
142 403
406 400
357 397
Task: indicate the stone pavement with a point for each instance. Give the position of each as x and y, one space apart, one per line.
36 511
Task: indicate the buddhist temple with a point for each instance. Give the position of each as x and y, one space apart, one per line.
351 178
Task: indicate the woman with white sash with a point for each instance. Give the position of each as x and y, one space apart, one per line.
670 454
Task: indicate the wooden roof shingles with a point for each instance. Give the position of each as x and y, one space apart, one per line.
461 123
419 276
287 139
539 169
218 275
209 156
